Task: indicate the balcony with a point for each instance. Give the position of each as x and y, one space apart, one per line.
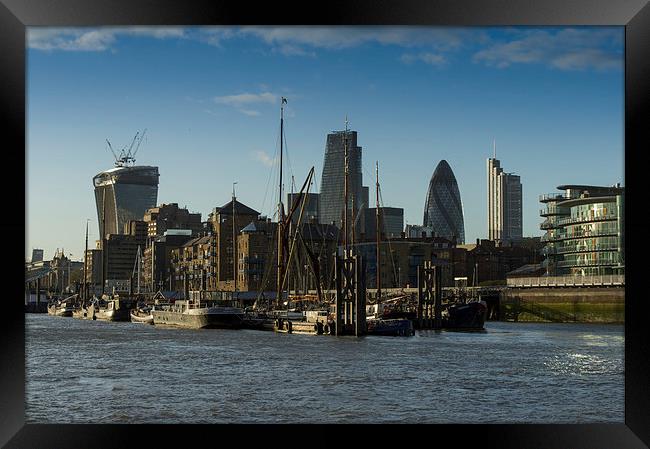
575 220
552 211
587 263
548 224
585 249
545 198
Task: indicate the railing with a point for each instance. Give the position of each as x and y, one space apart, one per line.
552 197
568 281
587 263
558 238
548 224
572 220
585 249
552 211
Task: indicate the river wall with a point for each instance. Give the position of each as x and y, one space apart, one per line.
577 304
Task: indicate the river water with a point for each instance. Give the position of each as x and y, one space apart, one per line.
97 372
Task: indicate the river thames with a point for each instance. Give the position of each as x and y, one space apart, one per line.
98 372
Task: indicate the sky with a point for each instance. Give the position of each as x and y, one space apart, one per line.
209 98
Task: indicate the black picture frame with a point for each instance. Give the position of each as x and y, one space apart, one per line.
15 15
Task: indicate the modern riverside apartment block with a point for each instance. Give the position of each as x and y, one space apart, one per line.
585 230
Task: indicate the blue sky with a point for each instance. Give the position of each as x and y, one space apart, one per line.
553 98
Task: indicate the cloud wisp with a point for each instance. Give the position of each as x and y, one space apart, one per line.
92 39
264 158
243 102
433 59
566 49
563 48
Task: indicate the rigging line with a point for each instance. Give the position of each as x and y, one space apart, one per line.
286 151
390 249
271 172
302 208
269 268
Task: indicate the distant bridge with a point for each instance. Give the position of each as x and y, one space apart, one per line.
37 273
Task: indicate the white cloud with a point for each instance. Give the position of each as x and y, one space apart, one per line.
264 158
249 112
353 36
246 99
428 58
567 49
95 39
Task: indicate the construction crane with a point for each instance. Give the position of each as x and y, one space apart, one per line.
125 154
111 148
139 142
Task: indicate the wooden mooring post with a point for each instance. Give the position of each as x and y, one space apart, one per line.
350 295
429 310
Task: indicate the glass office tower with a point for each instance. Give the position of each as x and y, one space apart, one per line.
331 198
443 210
124 193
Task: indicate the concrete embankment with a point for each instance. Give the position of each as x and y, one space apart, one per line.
581 305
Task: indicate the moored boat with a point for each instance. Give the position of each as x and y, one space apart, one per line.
113 309
198 314
63 307
393 327
465 316
142 315
81 312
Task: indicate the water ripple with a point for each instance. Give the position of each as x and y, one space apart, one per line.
88 372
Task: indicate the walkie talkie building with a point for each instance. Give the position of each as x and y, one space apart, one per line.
443 210
124 193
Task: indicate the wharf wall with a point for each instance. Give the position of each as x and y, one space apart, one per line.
563 304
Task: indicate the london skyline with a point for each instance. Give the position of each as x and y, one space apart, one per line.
209 98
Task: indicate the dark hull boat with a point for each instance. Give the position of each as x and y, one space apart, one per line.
391 327
469 316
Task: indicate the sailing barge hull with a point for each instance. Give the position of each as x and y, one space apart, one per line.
202 320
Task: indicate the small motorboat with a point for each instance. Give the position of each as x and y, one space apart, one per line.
142 315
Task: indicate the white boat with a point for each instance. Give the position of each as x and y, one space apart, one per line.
142 315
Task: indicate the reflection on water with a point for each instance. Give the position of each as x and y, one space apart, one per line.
97 372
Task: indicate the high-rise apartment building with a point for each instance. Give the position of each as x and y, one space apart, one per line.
443 210
504 203
332 196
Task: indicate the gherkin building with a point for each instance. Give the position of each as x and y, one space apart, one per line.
443 210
